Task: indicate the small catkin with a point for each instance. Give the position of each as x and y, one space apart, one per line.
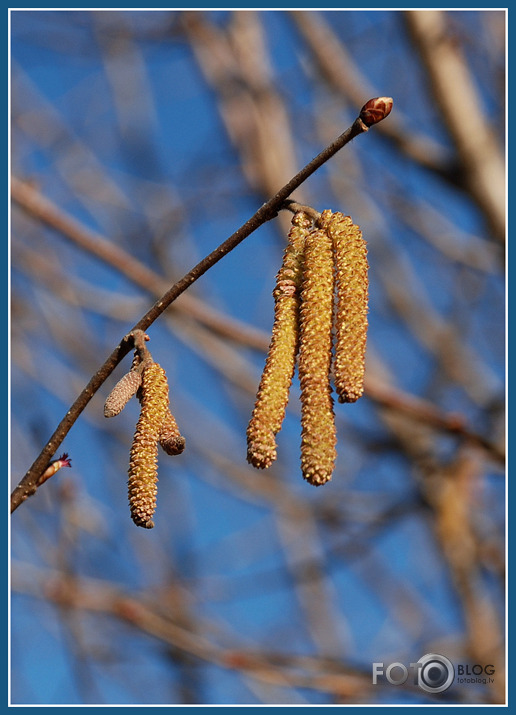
350 256
143 471
170 438
273 391
318 436
122 392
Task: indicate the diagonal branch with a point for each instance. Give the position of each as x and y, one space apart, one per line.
40 207
372 112
340 72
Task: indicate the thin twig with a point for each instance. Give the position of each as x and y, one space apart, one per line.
294 206
341 73
482 165
210 343
29 483
429 414
29 199
328 675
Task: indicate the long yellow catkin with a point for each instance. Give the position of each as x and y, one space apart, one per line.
273 391
170 438
351 267
143 470
318 436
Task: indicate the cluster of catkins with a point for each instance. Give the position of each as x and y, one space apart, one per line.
320 320
156 425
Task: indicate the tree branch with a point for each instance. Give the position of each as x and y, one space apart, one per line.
460 104
372 112
29 199
340 72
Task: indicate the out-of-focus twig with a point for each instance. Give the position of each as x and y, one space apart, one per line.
282 669
236 64
482 162
452 491
427 413
32 201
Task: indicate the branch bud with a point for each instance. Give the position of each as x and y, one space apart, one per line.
375 110
54 466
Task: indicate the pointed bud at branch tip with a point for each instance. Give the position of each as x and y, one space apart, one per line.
375 110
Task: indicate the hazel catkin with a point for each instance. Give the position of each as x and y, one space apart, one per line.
318 437
321 296
143 477
273 391
351 275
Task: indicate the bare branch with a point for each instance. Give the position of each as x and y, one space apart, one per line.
343 76
482 162
28 485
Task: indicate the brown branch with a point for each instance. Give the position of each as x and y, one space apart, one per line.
294 206
324 674
29 198
427 413
339 71
29 483
460 104
218 352
452 491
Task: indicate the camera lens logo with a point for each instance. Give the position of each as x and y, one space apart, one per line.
435 673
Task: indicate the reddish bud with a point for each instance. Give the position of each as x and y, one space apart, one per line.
63 461
375 110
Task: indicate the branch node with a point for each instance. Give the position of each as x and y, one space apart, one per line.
291 205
